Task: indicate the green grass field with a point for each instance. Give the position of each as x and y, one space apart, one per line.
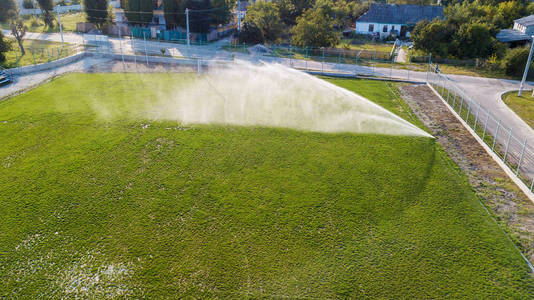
68 22
522 106
37 52
99 201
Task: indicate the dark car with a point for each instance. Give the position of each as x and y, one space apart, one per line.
4 78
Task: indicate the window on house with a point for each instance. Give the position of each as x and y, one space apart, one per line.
385 28
371 27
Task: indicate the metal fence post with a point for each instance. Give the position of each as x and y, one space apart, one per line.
521 157
507 145
486 126
448 92
306 58
290 55
427 72
476 118
461 105
146 52
496 135
120 43
468 113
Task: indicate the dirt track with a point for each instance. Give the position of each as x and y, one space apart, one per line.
497 192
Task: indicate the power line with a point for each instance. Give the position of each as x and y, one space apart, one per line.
167 13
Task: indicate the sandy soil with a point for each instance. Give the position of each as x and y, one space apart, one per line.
509 206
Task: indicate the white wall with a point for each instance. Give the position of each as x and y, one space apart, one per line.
363 28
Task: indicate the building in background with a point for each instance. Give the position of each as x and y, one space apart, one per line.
520 34
383 20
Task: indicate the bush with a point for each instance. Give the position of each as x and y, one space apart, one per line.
251 34
5 46
514 61
28 4
34 23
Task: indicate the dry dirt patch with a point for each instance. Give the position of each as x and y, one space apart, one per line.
497 192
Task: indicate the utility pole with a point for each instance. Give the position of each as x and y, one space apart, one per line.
122 54
239 16
187 22
526 67
60 27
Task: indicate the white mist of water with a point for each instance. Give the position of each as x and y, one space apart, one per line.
276 96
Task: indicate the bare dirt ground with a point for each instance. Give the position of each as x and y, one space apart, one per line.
509 206
139 67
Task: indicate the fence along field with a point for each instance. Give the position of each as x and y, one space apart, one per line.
516 151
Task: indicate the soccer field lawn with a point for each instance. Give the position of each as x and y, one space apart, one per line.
124 206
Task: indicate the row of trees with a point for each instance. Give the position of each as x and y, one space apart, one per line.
202 15
469 28
306 22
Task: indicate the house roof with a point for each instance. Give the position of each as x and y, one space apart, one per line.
511 35
526 21
400 14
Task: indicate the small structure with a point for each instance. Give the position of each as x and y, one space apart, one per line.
520 34
392 19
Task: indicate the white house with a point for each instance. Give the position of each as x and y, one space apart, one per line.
385 19
520 34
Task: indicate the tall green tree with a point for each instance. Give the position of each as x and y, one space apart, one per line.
138 12
473 40
8 10
222 11
47 8
432 37
173 11
263 18
96 12
202 13
18 30
314 28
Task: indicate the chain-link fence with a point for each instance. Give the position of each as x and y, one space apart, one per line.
38 55
514 150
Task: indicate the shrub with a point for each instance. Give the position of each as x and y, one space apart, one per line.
28 4
5 46
514 61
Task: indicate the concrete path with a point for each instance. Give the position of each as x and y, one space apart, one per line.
402 55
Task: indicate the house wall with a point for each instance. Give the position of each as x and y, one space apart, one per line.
363 28
524 29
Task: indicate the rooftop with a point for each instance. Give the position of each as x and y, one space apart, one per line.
511 35
526 21
401 14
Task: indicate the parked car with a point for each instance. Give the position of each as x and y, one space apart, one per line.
4 77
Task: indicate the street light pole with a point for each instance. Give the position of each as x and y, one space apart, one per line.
187 22
60 27
239 16
526 67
